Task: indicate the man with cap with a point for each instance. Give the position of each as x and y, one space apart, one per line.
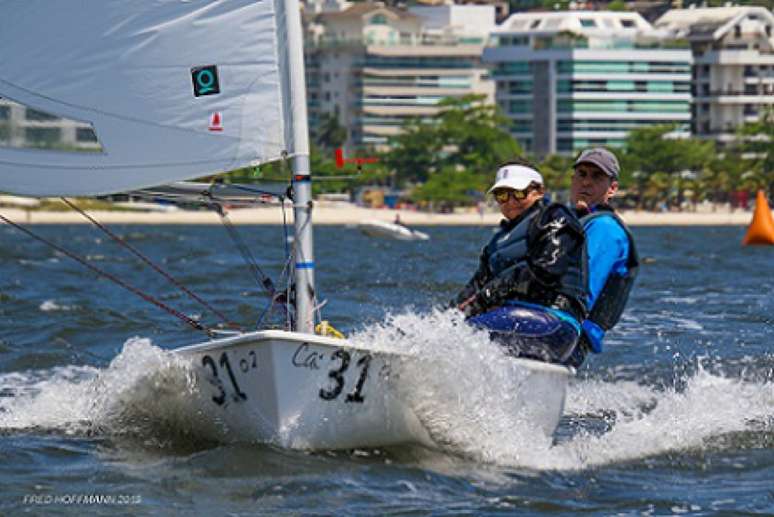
612 256
530 287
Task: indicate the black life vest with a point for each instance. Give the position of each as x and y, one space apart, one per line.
508 251
611 301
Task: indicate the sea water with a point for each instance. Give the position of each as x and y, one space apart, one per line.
675 417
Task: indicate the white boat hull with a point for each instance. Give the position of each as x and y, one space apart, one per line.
300 391
311 392
384 229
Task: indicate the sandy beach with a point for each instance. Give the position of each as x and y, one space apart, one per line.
337 213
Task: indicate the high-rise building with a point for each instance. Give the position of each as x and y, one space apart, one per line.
374 67
572 79
733 65
26 127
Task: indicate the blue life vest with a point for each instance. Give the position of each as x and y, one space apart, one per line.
508 250
610 304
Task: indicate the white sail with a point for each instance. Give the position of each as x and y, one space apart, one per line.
131 69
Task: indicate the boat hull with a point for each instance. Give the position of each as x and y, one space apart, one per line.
300 391
391 231
306 391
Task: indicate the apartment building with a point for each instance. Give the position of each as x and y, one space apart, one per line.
25 127
572 79
733 65
374 66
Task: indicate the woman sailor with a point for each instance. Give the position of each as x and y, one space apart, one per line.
530 287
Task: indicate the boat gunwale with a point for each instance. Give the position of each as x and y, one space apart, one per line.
260 336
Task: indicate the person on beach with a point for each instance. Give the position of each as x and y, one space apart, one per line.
529 289
612 256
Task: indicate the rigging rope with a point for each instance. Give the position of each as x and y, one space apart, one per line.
150 263
260 277
190 321
244 250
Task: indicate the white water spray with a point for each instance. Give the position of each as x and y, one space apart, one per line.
462 387
467 395
143 387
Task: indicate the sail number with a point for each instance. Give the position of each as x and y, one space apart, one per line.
224 365
337 376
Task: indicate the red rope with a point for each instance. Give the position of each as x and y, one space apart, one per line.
156 268
112 278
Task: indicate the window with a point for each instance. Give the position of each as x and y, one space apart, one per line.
378 19
85 134
521 126
519 87
660 86
520 107
587 22
38 129
628 24
33 114
534 24
620 85
42 136
513 68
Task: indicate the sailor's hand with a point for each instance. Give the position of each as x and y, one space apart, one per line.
472 306
466 302
582 207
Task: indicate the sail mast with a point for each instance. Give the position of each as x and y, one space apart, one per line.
302 179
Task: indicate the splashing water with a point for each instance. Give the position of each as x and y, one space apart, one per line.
51 305
143 389
462 387
466 395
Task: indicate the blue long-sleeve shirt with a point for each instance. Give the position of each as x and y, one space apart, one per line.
607 247
608 250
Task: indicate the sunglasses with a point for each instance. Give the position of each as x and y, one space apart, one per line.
502 196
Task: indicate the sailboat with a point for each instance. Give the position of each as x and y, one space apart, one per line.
173 90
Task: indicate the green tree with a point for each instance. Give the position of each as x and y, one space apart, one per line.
450 185
721 3
556 173
652 150
330 178
756 143
414 153
466 138
617 5
555 5
330 133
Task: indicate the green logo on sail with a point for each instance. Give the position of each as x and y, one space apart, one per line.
205 80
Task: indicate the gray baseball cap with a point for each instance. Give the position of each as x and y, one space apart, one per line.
602 158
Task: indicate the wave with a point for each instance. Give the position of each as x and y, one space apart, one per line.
462 388
610 421
143 392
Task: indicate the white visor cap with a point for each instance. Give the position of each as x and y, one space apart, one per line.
517 177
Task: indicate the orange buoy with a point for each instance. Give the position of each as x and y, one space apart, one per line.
761 229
